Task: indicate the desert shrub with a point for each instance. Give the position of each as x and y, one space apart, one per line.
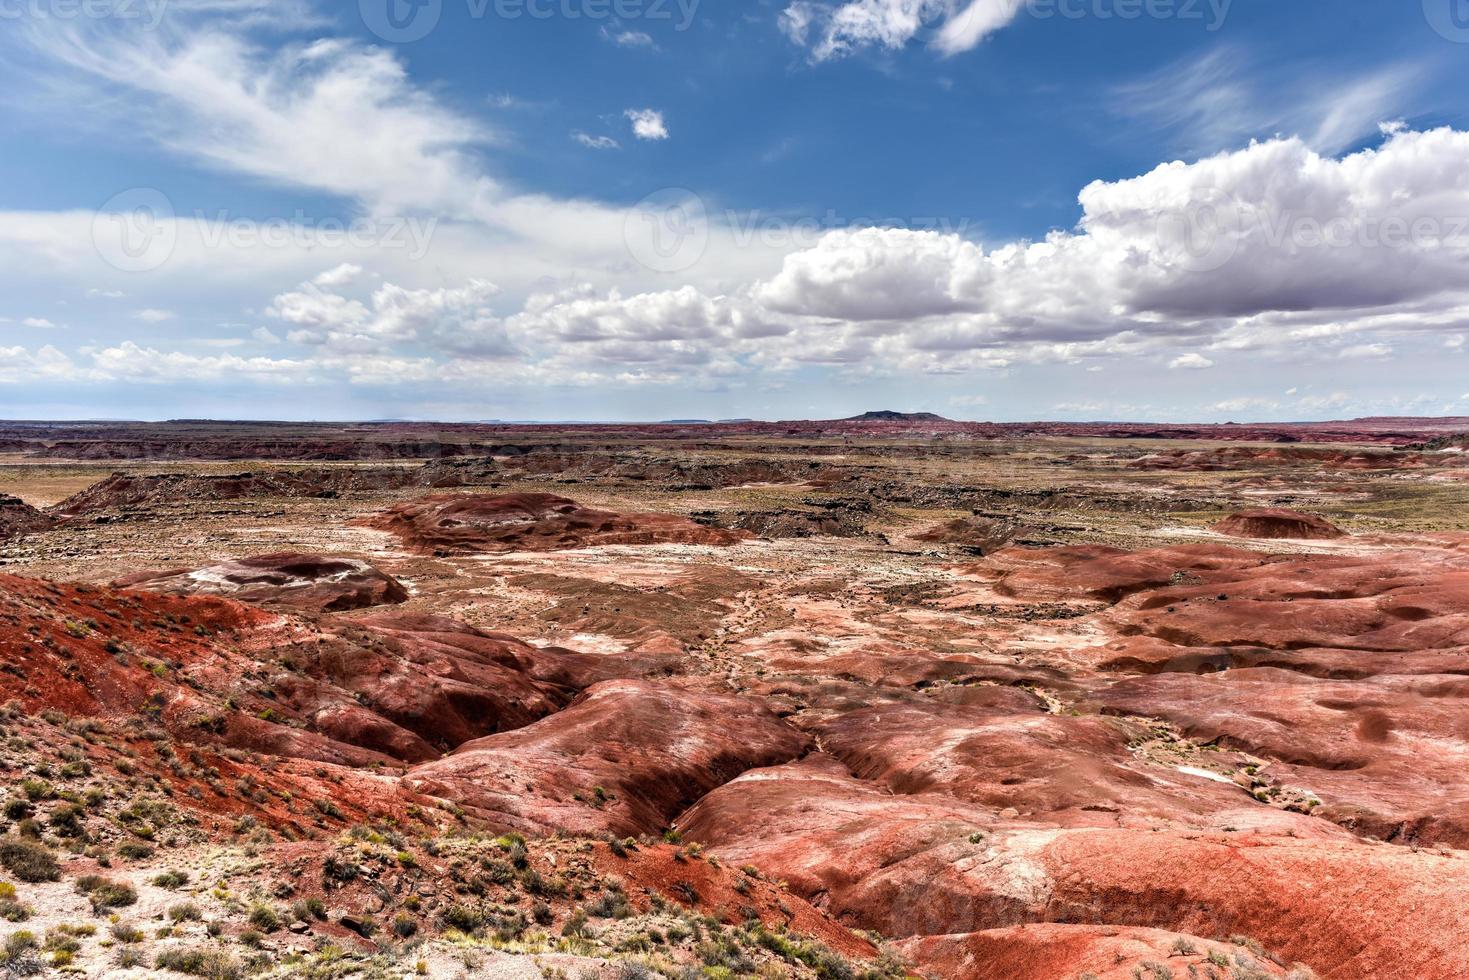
265 918
105 893
19 954
172 879
135 850
125 933
199 961
463 918
185 912
67 820
28 860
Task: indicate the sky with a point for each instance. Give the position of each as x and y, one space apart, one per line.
627 210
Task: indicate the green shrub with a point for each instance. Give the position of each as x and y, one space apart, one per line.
265 918
28 860
172 880
106 893
198 961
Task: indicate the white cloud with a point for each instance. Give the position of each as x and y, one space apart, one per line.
339 276
629 39
451 321
1222 99
153 315
332 115
1192 362
596 142
953 26
38 322
1366 351
647 124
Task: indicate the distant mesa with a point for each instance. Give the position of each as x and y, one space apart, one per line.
1278 524
450 524
889 416
315 583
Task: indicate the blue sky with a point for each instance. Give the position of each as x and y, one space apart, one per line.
798 208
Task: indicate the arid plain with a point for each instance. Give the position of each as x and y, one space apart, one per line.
870 698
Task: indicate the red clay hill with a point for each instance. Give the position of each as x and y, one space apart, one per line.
479 524
315 583
1278 524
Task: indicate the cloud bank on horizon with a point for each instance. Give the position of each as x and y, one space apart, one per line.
1309 259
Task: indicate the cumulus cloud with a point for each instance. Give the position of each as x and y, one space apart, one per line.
151 315
339 276
647 124
450 321
1191 362
1270 247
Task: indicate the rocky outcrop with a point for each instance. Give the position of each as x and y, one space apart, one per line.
316 583
448 524
1278 524
18 518
625 758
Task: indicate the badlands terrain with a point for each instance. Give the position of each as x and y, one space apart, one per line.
875 698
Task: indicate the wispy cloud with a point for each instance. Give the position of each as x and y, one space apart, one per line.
1222 99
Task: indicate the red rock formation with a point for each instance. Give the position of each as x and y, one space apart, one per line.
980 534
1277 524
1044 951
18 517
451 524
625 758
315 583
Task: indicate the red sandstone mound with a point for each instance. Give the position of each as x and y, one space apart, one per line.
315 583
626 758
18 517
924 865
213 671
1277 524
1044 951
980 534
129 490
478 524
